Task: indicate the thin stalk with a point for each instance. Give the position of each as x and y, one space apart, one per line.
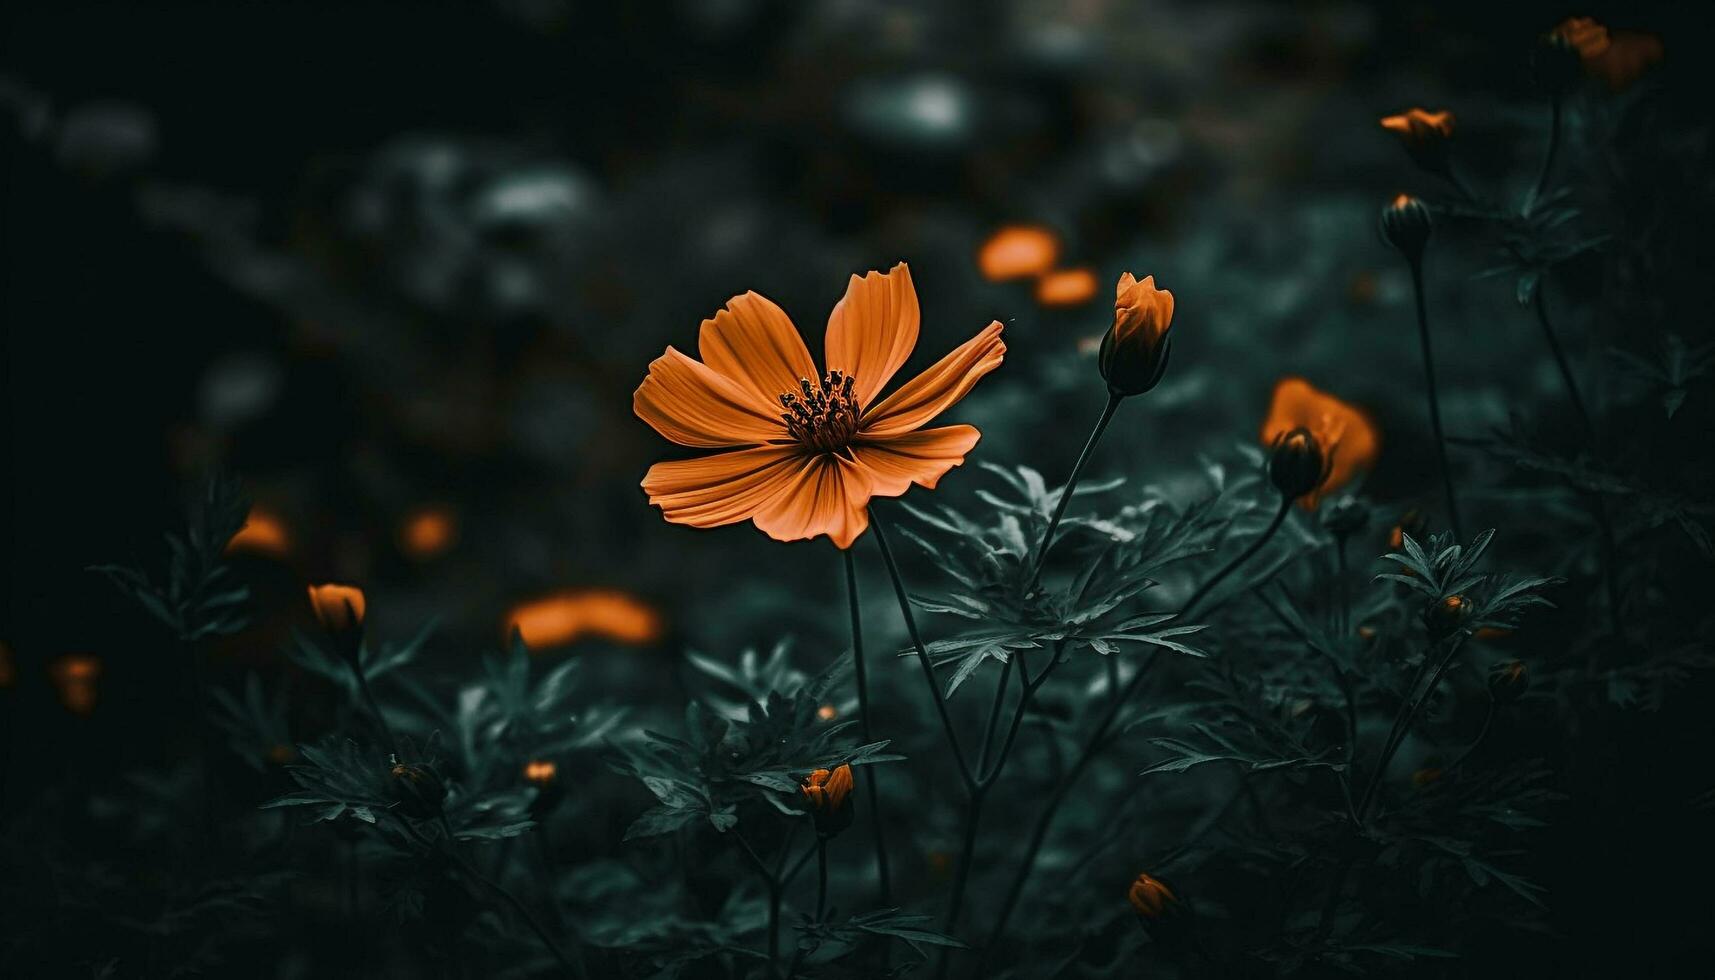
871 781
772 881
1098 741
940 700
821 878
1434 397
1345 587
994 716
1402 726
1112 666
1566 376
1541 186
1072 484
1482 733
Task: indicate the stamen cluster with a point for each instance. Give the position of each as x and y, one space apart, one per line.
823 416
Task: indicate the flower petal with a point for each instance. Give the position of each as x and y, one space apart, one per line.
724 488
920 457
828 496
689 403
938 388
754 343
873 329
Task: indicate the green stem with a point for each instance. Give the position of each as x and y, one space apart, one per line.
1071 485
871 780
922 652
1402 726
1098 741
1542 175
772 881
1434 397
1566 376
1482 733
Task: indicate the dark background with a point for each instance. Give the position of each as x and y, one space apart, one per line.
433 355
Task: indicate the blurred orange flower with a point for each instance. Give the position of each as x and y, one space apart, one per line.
1151 897
264 533
808 456
1618 58
1344 432
428 531
74 676
1424 135
1067 287
541 772
1018 252
570 615
827 712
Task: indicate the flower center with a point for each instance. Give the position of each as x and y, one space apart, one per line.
823 416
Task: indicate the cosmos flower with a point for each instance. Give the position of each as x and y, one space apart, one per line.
1343 432
573 614
1067 287
1018 252
806 455
1134 352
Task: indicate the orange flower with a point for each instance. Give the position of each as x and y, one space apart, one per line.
825 796
1018 252
1067 287
74 675
264 533
827 712
541 772
1588 37
1424 135
1134 352
428 531
1151 897
811 469
1343 432
570 615
339 608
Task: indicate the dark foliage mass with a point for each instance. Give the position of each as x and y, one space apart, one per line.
1343 612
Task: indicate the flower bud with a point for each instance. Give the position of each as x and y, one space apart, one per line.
1556 63
340 608
1345 516
544 775
1405 225
1424 135
1445 618
418 789
1152 898
1297 465
1134 352
827 797
1508 681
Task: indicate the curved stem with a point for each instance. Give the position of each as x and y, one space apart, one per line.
1434 397
821 879
1098 741
1071 485
871 780
1243 556
1542 175
922 653
1566 377
1402 726
1482 733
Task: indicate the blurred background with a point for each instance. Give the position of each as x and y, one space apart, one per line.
400 266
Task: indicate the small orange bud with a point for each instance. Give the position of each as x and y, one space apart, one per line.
74 676
1134 352
1297 466
1152 899
264 533
1444 618
418 789
1405 224
540 772
340 609
826 794
1508 681
1424 135
1343 433
827 712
